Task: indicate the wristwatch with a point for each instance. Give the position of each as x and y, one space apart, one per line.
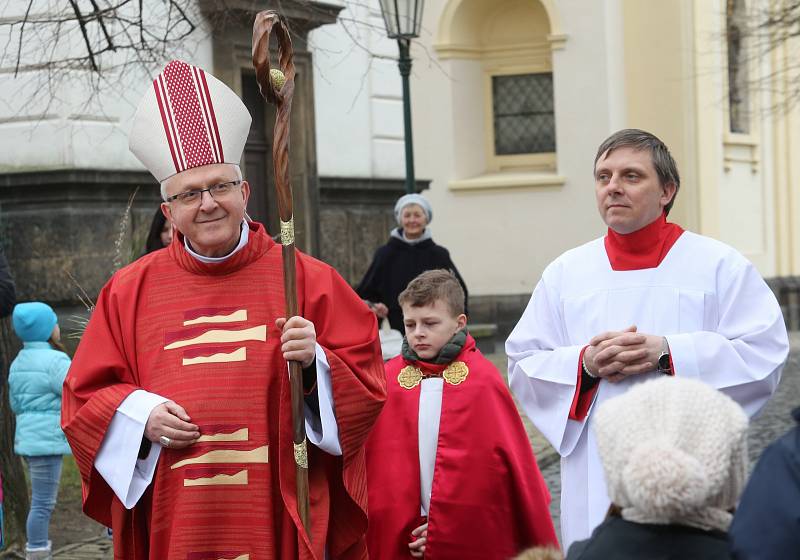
664 361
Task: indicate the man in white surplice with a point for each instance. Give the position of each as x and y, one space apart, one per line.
646 300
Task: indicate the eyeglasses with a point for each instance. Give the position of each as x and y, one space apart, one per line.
193 197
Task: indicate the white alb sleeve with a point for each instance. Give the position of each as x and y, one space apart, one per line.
322 430
118 461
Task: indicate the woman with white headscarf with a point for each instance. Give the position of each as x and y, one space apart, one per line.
409 252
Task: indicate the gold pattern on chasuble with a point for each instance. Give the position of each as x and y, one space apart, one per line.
216 456
454 374
237 435
238 479
207 338
232 317
222 457
219 336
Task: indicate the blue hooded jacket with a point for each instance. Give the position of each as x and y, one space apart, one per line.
35 382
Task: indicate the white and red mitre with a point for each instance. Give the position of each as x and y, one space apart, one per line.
188 119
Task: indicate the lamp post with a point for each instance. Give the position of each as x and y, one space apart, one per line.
403 19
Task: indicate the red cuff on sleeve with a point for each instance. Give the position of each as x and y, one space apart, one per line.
581 402
671 365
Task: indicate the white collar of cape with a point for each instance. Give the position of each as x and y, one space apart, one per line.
243 237
398 233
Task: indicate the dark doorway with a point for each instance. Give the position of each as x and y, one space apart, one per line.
258 167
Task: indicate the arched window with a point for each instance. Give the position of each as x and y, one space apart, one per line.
505 54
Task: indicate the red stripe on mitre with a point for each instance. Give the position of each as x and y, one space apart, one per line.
206 351
161 103
208 312
215 128
188 115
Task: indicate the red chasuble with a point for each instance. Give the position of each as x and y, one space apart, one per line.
644 248
204 336
488 498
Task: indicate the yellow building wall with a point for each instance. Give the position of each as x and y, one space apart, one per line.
738 188
659 73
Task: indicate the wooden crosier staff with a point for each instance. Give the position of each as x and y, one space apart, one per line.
280 95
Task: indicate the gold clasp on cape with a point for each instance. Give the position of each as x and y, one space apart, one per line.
454 374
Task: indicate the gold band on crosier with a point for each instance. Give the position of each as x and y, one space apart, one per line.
287 232
301 454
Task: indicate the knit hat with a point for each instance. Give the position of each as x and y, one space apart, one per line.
407 199
188 119
674 451
34 321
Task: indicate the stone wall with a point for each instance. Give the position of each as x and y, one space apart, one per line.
355 217
70 221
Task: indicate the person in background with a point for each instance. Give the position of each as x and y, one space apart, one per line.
448 408
35 380
646 300
8 293
160 234
674 453
767 521
409 252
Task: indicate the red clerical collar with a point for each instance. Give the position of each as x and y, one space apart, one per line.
644 248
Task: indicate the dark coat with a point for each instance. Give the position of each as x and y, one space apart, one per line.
618 539
395 265
7 290
767 522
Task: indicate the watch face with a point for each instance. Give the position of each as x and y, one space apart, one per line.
663 362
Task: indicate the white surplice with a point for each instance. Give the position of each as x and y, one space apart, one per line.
722 323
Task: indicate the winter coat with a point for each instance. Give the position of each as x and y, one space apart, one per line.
767 521
395 265
35 380
618 539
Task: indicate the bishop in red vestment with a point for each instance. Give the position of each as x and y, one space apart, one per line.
188 346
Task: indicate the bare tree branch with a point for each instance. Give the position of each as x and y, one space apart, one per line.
89 50
22 34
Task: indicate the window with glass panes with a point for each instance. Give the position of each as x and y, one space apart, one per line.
524 121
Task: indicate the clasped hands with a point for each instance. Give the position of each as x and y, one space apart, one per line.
169 419
615 355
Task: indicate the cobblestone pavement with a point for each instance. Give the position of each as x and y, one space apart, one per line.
100 548
773 421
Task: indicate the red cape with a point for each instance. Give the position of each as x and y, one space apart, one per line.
488 498
128 345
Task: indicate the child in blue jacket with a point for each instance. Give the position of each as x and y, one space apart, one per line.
35 380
